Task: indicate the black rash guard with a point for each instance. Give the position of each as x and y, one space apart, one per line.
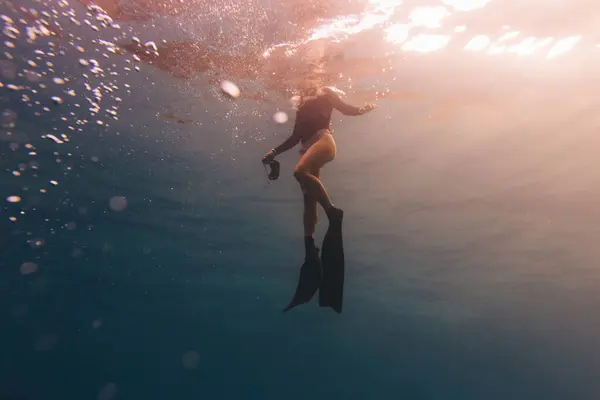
315 112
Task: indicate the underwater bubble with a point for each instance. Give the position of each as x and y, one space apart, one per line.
36 243
11 32
31 34
56 140
280 117
230 89
7 19
108 392
151 45
191 359
117 203
44 31
28 268
13 199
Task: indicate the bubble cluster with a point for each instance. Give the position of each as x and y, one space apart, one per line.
65 67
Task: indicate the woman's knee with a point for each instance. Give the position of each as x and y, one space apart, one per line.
300 174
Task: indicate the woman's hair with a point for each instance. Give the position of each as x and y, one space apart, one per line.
308 87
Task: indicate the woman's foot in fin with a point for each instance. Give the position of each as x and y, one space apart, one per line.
335 214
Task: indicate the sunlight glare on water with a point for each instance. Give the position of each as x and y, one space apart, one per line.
391 16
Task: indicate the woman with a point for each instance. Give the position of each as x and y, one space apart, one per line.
312 129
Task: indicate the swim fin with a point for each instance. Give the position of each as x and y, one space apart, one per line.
332 259
309 280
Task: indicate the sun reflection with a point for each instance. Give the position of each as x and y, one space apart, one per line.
397 33
563 46
379 13
508 36
428 17
530 45
383 14
466 5
337 29
425 43
478 43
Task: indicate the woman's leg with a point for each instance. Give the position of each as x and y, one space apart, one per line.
310 213
317 155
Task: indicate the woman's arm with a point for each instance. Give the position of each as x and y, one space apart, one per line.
288 144
283 147
344 107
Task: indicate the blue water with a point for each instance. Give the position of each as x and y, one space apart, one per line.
470 238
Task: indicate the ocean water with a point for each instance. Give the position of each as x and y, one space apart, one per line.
148 256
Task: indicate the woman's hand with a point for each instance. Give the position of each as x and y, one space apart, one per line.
269 156
366 108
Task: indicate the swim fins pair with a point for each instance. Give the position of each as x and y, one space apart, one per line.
326 273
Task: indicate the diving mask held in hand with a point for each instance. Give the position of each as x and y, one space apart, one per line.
274 166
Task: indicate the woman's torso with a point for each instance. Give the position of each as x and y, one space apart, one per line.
314 114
